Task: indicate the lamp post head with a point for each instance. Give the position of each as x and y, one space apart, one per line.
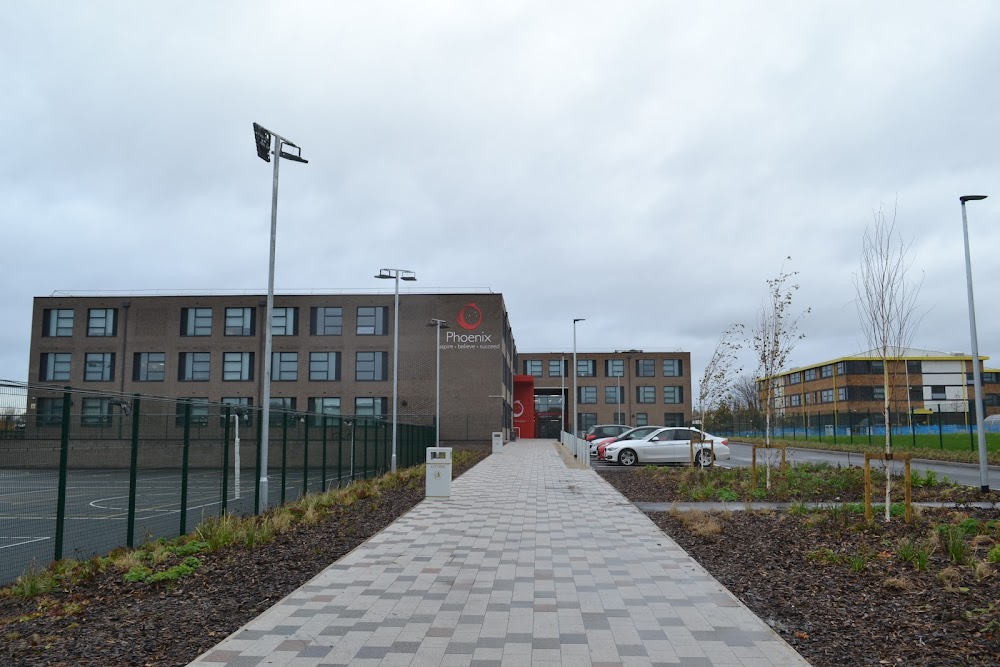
579 319
263 139
965 198
441 324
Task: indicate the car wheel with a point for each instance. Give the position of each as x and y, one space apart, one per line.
628 458
703 459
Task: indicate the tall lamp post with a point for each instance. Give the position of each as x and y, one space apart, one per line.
562 395
438 325
976 377
575 373
397 275
264 150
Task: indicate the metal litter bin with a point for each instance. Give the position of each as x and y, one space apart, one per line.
497 442
438 472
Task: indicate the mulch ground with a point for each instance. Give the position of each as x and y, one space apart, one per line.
836 588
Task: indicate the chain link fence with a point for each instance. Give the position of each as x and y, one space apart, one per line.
82 473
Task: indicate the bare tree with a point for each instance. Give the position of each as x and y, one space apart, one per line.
773 336
716 382
887 300
746 397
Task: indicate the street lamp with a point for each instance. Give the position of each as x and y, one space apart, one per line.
976 378
397 275
562 395
575 373
438 325
264 150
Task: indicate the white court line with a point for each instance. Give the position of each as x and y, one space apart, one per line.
27 540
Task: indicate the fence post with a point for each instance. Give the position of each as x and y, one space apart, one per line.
940 430
257 468
133 471
365 457
225 459
340 449
968 421
305 458
184 466
323 482
63 465
835 424
284 453
913 432
869 422
850 426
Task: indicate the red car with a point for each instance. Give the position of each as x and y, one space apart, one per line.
633 434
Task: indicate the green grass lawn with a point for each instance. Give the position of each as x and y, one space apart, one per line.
949 447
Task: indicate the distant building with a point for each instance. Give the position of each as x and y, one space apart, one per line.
921 381
633 387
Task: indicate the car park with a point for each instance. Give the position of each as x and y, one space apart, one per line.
669 445
596 446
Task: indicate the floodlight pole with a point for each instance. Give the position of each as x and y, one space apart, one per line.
263 138
977 380
397 274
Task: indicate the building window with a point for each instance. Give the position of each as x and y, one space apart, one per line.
533 367
238 406
370 366
324 366
842 393
794 378
878 393
614 368
876 366
370 407
585 420
938 393
149 366
558 368
619 418
240 321
641 419
322 409
57 322
99 367
285 322
645 394
196 321
614 395
795 400
199 412
54 367
327 321
102 322
587 394
194 367
372 320
826 396
841 368
673 395
645 368
810 374
95 412
285 366
49 412
672 368
586 368
673 419
237 366
826 371
282 410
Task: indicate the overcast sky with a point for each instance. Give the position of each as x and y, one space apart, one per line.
644 165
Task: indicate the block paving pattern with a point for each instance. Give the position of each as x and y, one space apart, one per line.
527 563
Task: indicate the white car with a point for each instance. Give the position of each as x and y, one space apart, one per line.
669 445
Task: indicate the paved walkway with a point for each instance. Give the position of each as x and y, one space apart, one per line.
529 562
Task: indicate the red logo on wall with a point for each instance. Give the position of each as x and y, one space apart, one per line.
470 317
